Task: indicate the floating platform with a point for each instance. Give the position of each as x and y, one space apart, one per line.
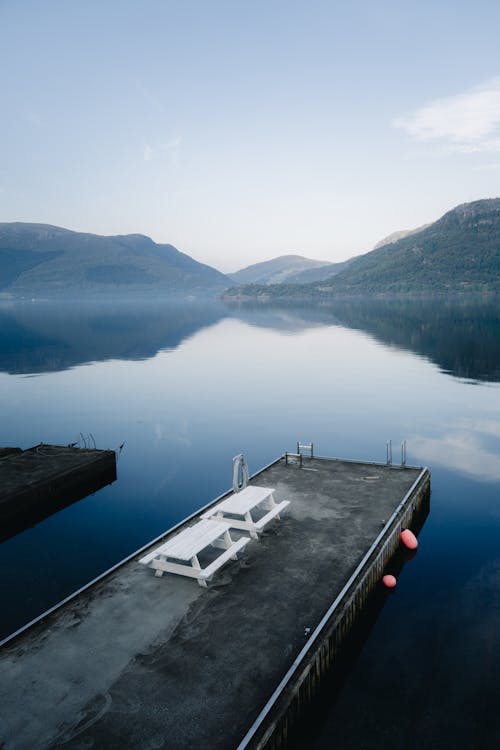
38 481
139 661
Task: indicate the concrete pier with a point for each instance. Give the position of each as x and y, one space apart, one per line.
139 661
38 481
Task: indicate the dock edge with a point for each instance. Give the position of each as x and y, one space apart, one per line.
302 683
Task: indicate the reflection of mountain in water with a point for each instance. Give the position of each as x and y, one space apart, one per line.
45 338
288 319
460 336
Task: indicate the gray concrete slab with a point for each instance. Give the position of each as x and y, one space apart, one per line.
139 661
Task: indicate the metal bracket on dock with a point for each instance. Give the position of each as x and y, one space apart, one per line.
403 453
305 447
388 446
240 473
85 441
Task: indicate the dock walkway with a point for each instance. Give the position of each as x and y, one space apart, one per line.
138 661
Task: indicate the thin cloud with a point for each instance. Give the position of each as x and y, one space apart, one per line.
169 150
172 149
467 122
173 144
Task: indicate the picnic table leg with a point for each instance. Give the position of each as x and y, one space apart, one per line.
159 573
196 565
249 520
269 503
228 543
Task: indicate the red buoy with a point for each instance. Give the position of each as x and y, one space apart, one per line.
409 539
389 581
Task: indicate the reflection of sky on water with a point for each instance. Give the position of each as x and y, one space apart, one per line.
234 386
232 382
460 335
466 452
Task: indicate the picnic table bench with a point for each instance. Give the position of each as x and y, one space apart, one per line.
237 509
186 546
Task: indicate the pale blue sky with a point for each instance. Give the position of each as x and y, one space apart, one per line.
239 131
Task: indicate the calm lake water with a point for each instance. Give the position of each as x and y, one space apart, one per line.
186 388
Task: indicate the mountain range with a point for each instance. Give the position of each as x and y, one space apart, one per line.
460 252
48 261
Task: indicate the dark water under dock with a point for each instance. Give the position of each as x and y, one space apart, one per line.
137 661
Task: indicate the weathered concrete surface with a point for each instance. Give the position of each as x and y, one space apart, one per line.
138 661
41 479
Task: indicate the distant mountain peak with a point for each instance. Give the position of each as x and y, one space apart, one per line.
399 235
44 261
276 270
290 257
133 236
486 208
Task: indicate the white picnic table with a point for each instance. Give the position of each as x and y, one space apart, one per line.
237 509
186 546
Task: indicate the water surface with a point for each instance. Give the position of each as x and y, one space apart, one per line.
184 389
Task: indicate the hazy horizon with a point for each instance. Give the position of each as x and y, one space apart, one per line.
230 269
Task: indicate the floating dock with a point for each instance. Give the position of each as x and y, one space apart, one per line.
38 481
139 661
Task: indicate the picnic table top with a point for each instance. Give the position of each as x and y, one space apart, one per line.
190 541
243 501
